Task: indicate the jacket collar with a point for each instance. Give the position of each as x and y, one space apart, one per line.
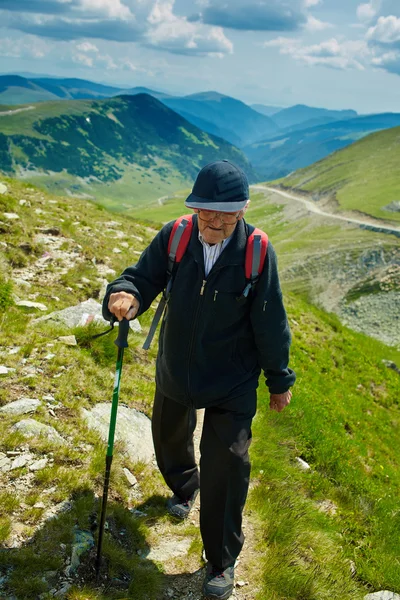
233 254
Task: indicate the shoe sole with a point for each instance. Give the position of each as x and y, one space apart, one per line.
214 597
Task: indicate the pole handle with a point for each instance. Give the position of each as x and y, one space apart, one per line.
123 330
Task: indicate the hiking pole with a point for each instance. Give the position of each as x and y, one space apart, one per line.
121 342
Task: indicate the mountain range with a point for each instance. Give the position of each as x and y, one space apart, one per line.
126 139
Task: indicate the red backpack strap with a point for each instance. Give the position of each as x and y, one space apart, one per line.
178 241
256 251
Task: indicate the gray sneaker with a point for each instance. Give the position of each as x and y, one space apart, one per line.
181 508
218 583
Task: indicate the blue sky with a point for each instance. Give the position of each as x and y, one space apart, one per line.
331 53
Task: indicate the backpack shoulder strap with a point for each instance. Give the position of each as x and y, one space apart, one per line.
256 252
178 242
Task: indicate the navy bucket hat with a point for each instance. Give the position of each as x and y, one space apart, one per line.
220 186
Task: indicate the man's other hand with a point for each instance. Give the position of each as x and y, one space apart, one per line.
279 401
123 305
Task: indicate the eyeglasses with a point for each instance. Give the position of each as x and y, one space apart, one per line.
210 215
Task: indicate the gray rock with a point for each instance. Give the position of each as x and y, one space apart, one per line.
21 461
393 206
130 477
30 304
20 407
133 429
38 465
82 314
383 595
68 340
303 464
169 549
5 463
11 216
32 428
3 188
4 370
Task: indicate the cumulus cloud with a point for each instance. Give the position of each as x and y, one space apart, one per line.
151 22
314 24
182 36
87 47
367 12
331 53
385 32
389 61
274 15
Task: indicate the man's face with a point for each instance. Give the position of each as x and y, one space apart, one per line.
213 226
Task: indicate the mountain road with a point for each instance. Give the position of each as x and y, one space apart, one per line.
367 223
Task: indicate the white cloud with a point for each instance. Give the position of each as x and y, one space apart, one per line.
386 31
309 3
314 24
176 34
27 47
367 12
83 59
113 9
87 47
331 53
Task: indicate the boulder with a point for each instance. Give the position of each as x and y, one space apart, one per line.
20 407
32 428
133 429
82 314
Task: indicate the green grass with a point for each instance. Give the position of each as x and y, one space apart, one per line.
363 177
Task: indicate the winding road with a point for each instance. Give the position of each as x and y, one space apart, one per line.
374 225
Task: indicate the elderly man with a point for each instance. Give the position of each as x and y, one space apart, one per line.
213 343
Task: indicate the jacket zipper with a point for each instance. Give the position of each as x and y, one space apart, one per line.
193 335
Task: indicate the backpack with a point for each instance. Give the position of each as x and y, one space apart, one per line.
256 251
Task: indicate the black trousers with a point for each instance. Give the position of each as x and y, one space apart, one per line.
224 466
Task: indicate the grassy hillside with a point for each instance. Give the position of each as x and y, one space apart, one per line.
328 532
120 151
279 156
363 177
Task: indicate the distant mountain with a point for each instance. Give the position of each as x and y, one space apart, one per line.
106 141
266 110
240 123
144 90
300 113
364 177
15 89
277 157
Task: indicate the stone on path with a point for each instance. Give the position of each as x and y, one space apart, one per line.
133 429
383 595
20 407
32 428
82 314
169 549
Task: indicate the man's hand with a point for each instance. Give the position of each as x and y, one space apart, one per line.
279 401
122 304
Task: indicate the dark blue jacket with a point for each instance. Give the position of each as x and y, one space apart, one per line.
213 341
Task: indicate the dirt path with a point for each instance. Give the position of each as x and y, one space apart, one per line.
15 111
368 222
184 574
